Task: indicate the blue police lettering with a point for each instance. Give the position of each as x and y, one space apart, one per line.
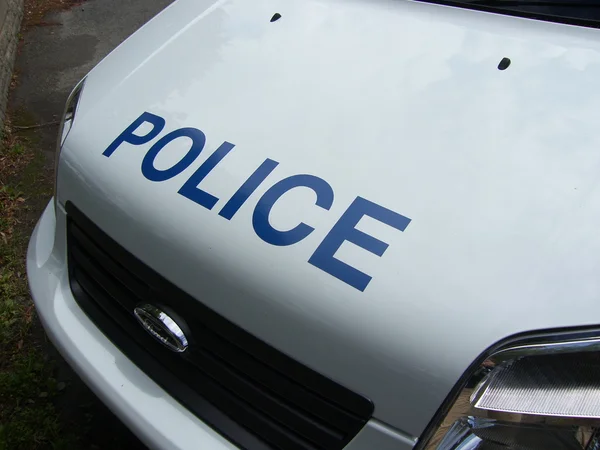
153 174
250 185
323 257
344 230
190 187
260 218
157 122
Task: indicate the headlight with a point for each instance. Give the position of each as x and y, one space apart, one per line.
66 123
533 397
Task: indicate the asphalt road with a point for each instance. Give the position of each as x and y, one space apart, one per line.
54 56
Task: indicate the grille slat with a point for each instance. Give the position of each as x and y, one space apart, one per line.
99 276
127 279
254 395
91 288
309 379
271 406
281 385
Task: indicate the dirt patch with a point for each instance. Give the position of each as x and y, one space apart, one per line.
36 11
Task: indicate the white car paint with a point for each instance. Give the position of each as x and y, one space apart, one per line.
395 101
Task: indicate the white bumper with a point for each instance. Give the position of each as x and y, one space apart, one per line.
151 413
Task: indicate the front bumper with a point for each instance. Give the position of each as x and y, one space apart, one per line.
152 414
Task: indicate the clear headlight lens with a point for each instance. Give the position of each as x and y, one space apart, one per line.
538 397
66 124
69 114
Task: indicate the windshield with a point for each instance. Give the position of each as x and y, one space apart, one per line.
585 12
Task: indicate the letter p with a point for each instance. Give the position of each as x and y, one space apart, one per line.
157 122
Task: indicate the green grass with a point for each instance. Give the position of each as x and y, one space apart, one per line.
31 420
17 149
28 389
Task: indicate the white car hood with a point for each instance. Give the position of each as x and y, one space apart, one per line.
396 102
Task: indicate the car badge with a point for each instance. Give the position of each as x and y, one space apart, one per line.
161 327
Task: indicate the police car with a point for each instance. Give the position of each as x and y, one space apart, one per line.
368 225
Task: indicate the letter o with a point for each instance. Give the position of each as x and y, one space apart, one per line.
154 174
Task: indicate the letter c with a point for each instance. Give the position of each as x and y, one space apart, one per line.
260 218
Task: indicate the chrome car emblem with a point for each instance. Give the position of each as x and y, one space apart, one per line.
161 327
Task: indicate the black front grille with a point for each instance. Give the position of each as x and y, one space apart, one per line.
246 390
